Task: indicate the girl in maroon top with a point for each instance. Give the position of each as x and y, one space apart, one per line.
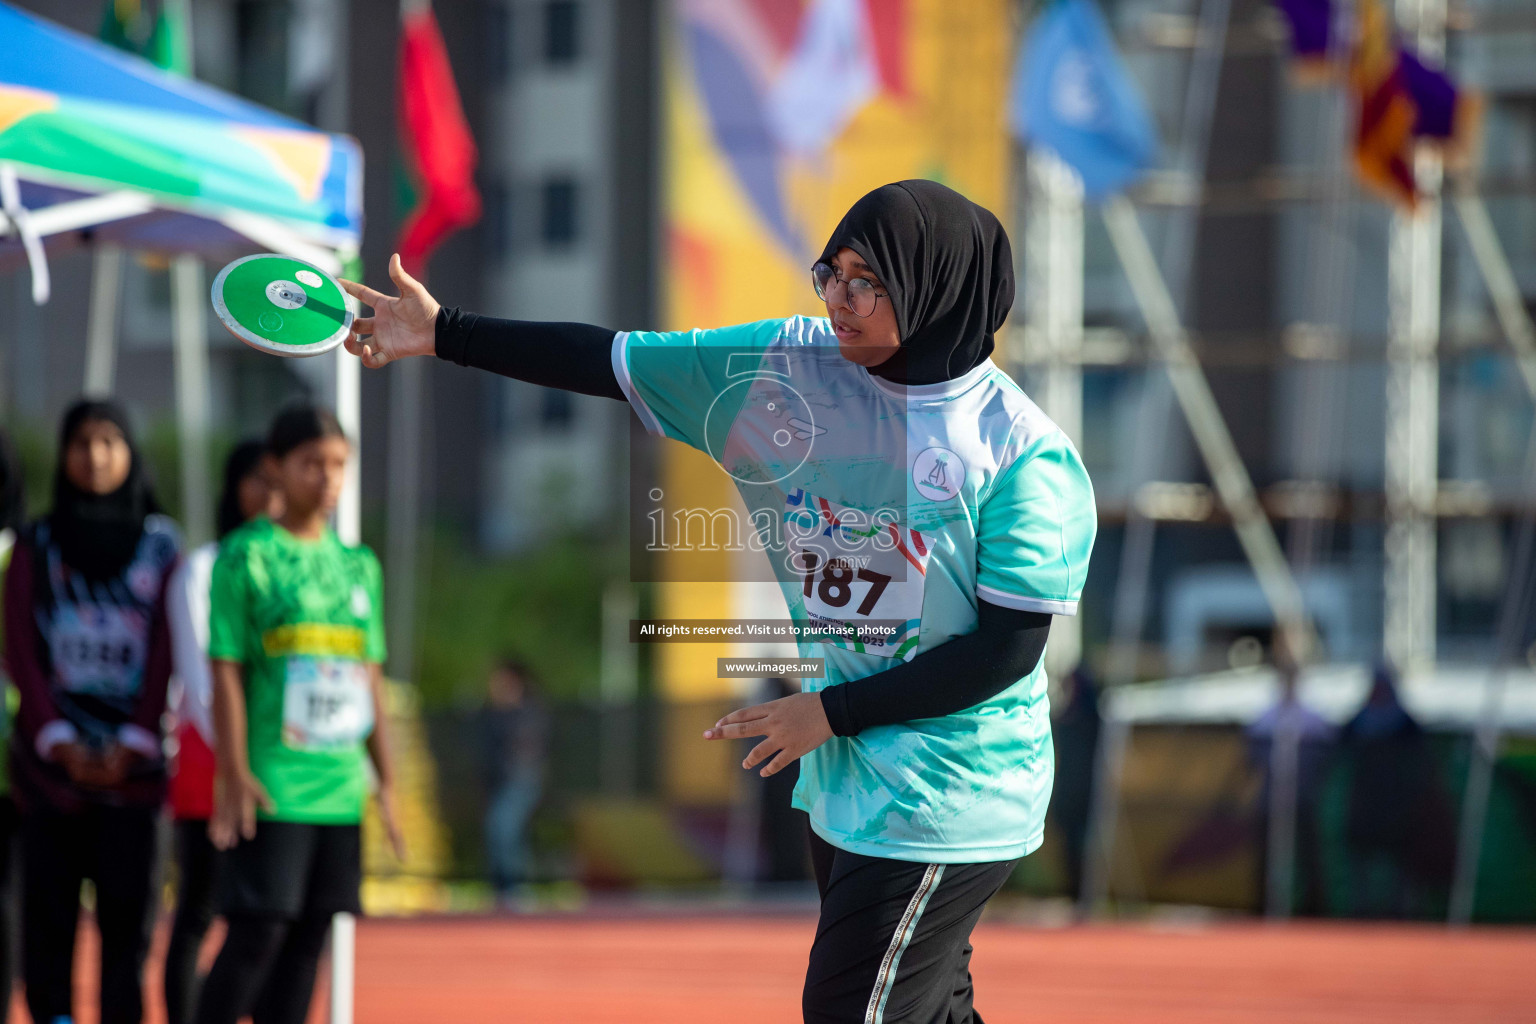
87 645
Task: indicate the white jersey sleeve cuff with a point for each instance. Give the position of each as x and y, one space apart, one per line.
620 355
139 740
1025 604
51 735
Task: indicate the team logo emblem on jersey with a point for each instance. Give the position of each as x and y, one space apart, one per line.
361 606
938 474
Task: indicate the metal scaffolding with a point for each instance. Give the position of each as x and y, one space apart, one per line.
1053 292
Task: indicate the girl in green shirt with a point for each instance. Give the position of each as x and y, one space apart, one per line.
296 637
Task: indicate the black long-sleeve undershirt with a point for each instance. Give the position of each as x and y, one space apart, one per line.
569 356
940 681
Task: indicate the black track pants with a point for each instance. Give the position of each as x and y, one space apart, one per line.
266 970
893 943
117 848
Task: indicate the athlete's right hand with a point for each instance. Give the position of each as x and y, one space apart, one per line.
235 799
400 327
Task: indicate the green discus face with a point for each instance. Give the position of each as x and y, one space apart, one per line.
281 305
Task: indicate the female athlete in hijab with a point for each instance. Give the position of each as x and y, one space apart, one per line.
87 646
918 510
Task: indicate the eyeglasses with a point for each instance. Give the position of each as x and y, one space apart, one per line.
861 296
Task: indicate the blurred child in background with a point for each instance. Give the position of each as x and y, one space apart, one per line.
247 493
88 647
296 634
515 737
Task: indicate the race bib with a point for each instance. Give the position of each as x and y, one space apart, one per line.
859 574
327 703
98 649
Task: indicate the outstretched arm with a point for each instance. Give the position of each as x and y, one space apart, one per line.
570 356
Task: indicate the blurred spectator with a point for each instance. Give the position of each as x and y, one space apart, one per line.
12 514
247 493
88 646
1399 830
516 738
783 826
1291 745
1075 734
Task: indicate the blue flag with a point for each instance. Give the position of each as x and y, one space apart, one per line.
1071 94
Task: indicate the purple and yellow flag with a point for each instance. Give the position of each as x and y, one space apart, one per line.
1447 115
1399 99
1312 42
1385 111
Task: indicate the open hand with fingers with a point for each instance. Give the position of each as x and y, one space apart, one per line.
400 326
236 797
792 727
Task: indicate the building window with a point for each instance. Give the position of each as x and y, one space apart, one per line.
562 32
555 410
497 219
559 221
499 39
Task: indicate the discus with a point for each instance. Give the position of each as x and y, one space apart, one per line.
282 306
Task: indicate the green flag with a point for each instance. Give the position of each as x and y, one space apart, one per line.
166 42
170 45
123 25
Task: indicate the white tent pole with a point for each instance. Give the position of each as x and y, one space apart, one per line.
349 412
343 967
101 332
1217 448
17 220
190 328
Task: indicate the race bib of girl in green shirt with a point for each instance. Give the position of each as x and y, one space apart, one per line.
327 703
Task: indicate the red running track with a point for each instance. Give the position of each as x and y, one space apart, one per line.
703 970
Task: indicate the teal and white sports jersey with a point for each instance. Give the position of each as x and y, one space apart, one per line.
891 510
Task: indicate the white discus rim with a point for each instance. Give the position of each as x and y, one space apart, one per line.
273 348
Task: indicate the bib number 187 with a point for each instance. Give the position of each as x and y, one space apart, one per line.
834 585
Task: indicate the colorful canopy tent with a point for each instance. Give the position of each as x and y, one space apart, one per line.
103 141
101 147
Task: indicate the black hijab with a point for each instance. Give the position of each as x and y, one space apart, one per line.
949 270
98 534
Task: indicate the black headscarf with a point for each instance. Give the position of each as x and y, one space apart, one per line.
948 267
13 506
98 534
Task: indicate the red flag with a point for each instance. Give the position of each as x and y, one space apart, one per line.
438 146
